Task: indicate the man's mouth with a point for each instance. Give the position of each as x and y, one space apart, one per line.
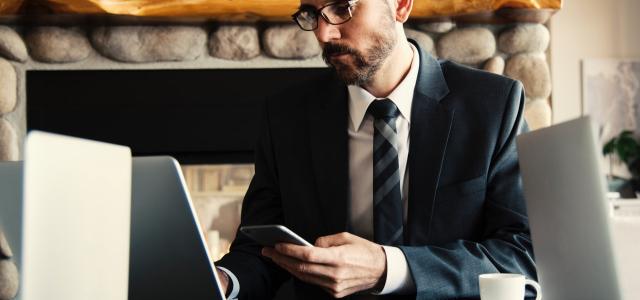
338 55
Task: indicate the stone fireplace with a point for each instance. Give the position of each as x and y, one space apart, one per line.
517 50
514 49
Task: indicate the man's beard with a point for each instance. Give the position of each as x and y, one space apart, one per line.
364 65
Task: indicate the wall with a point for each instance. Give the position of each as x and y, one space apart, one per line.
588 29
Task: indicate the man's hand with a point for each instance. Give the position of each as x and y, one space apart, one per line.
224 280
342 263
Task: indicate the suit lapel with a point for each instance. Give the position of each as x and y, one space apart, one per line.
328 117
431 124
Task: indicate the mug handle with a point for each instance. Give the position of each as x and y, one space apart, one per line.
535 286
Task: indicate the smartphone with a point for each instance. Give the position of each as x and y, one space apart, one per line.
270 235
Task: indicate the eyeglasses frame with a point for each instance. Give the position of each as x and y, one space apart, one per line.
351 3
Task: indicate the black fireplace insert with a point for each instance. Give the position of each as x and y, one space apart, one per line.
196 115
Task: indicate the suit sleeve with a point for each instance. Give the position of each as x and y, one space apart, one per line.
451 270
258 277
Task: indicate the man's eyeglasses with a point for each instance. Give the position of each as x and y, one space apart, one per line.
336 13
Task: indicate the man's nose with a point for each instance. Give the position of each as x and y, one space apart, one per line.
326 32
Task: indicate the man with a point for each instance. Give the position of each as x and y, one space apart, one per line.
403 170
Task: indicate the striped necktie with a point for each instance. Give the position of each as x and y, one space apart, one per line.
387 200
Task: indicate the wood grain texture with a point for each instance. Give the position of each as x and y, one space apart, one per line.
436 8
10 7
268 9
222 9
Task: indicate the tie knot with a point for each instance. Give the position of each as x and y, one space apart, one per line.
383 108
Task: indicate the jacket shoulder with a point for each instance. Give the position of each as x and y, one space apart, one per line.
463 77
481 98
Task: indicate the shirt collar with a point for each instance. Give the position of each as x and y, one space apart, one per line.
402 95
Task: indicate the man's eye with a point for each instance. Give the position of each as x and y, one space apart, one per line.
342 9
339 11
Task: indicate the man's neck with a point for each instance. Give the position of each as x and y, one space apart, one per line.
392 72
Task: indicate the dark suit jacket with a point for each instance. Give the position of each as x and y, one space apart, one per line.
466 212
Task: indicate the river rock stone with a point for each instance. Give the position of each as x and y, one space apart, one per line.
8 279
472 45
11 45
538 113
533 71
8 87
8 142
495 65
5 250
58 45
436 27
423 39
235 42
289 41
139 44
524 39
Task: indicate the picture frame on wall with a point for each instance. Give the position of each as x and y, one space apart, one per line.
611 96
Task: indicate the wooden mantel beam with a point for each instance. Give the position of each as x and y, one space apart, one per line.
253 9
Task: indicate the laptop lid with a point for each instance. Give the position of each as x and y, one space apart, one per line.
169 257
75 220
565 194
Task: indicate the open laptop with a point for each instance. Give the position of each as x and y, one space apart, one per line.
568 212
169 257
76 207
166 257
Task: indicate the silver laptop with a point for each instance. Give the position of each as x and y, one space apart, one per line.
75 219
568 211
166 257
169 258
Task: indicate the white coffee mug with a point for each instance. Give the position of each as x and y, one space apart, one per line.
503 286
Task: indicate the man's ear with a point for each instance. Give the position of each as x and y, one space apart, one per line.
403 10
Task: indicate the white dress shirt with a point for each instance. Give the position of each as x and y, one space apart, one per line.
399 279
361 168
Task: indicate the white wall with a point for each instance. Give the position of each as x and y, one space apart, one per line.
588 29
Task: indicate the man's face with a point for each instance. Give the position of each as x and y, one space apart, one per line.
357 49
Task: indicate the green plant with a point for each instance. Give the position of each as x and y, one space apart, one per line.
627 148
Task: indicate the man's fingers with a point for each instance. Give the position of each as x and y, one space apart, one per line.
299 266
343 289
309 278
337 239
349 291
307 254
308 272
335 281
333 286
